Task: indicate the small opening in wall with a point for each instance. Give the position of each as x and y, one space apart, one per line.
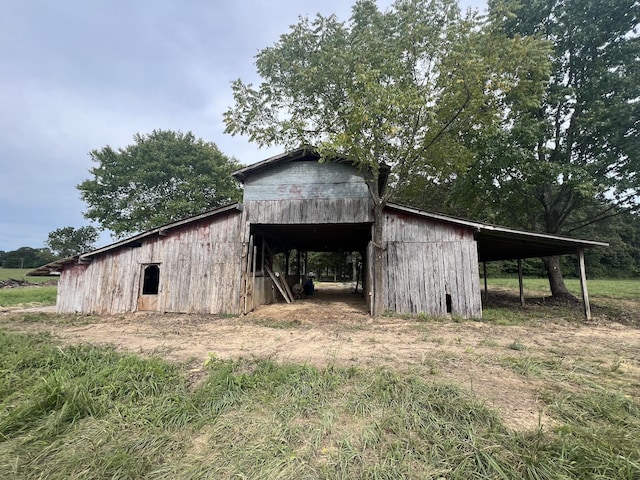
151 280
449 302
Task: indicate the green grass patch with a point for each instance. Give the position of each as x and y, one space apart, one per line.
90 412
505 316
612 288
28 296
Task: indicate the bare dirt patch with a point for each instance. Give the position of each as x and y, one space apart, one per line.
506 366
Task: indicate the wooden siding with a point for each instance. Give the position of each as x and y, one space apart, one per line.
424 261
265 292
304 180
345 210
199 272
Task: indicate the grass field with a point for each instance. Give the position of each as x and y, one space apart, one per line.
25 297
43 292
87 412
597 288
21 274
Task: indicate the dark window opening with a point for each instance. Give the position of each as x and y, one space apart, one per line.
449 302
151 280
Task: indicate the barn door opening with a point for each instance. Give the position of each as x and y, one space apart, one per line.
330 259
149 288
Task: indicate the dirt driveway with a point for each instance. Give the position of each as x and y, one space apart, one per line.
487 360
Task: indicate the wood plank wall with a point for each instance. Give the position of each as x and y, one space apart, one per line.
325 211
424 260
199 272
307 192
304 180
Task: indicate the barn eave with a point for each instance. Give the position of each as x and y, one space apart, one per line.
502 243
57 266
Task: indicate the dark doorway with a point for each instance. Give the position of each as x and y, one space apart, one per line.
151 280
148 298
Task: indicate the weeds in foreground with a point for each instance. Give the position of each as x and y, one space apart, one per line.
87 412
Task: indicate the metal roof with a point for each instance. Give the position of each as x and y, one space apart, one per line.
54 267
242 174
494 242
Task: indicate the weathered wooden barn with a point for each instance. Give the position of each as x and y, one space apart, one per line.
222 261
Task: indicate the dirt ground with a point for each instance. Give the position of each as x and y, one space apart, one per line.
332 327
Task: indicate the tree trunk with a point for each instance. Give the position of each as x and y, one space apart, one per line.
556 280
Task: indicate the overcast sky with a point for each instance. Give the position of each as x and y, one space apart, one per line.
76 75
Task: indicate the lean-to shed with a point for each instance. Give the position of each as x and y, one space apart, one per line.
222 261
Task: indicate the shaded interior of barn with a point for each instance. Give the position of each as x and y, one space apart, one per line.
285 250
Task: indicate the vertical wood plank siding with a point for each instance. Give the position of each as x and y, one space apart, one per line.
424 260
303 192
307 192
323 211
199 272
305 180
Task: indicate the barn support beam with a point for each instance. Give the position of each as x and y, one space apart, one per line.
486 284
583 285
520 282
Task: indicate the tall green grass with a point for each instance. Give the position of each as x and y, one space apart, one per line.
84 412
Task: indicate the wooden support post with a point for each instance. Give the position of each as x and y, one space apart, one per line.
486 285
253 278
285 285
583 285
287 254
520 282
247 277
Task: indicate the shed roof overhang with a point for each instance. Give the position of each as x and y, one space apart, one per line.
53 268
502 243
302 153
494 242
56 267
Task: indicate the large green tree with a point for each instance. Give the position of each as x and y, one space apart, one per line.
162 177
69 241
387 88
575 160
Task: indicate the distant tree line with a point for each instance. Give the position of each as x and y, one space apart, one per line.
26 257
61 243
